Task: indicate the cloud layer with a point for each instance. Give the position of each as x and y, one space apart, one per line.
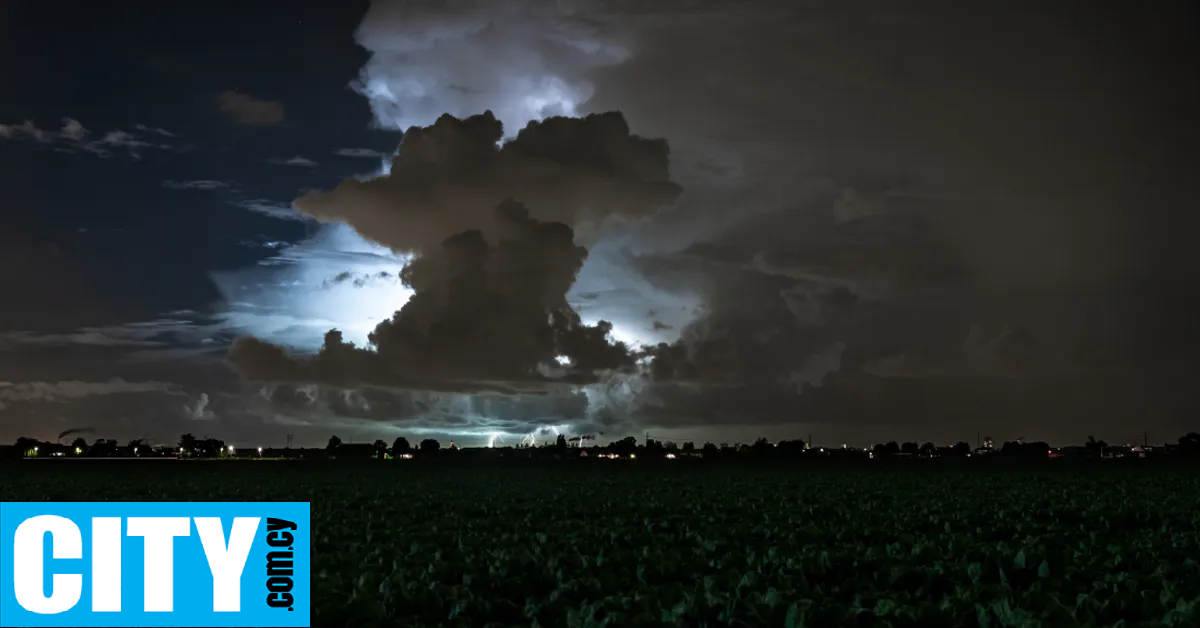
32 392
447 178
73 137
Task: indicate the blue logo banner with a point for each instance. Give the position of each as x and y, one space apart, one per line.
186 564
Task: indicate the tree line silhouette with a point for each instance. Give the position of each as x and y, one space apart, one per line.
190 446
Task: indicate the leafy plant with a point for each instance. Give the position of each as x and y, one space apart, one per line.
601 545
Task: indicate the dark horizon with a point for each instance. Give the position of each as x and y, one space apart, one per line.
1189 442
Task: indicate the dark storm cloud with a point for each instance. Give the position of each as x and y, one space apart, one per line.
920 199
157 395
447 178
905 221
808 325
31 392
1026 145
246 109
764 336
483 316
1063 410
990 223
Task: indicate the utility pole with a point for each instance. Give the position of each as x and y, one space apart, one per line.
288 439
978 443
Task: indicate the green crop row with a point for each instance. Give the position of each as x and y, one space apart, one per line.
579 546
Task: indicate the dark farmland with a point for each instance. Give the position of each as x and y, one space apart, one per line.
624 543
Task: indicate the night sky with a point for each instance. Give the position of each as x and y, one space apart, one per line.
860 220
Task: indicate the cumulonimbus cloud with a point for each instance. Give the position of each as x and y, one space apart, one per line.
447 178
1002 204
483 316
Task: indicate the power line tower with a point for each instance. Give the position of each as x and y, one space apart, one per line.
288 439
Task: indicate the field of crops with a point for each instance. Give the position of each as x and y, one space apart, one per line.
610 543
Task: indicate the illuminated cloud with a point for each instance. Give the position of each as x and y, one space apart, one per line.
199 409
448 177
540 79
523 63
483 317
73 137
611 286
472 419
